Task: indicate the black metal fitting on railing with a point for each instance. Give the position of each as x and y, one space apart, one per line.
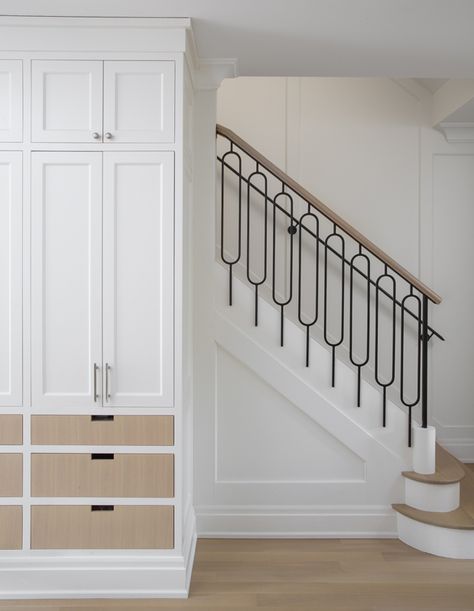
387 294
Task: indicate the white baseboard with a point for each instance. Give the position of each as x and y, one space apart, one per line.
296 522
100 574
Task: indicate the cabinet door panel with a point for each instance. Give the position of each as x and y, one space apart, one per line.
138 279
66 272
66 101
11 101
139 101
10 278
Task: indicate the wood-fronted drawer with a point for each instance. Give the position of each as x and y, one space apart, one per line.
11 429
11 475
102 527
102 475
11 527
102 430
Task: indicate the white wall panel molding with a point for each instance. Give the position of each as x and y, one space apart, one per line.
282 444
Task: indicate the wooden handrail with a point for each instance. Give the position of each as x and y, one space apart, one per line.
328 213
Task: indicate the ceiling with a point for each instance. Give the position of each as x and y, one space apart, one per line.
395 38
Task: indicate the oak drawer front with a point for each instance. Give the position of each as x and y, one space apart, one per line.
11 527
11 475
102 527
102 430
102 475
11 429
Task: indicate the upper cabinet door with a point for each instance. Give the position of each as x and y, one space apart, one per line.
139 101
138 279
10 279
66 101
11 101
66 279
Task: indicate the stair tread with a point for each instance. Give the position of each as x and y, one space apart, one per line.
461 518
448 470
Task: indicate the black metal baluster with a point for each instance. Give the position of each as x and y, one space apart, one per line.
257 283
333 342
282 302
347 262
231 261
384 384
405 401
359 363
425 338
284 297
314 318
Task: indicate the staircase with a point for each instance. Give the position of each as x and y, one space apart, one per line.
342 330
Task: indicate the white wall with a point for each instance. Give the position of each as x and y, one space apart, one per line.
365 148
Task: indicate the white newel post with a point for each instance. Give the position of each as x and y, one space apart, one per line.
424 450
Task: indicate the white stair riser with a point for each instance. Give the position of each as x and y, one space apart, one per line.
445 542
432 497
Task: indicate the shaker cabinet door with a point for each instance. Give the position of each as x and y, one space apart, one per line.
11 101
66 279
66 101
10 279
138 279
139 101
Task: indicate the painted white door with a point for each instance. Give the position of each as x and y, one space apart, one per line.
10 278
139 101
138 279
66 278
66 101
11 101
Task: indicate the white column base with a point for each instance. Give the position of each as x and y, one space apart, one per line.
424 450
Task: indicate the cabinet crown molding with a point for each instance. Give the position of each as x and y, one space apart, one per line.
143 34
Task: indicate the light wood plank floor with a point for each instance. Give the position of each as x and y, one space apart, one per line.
305 575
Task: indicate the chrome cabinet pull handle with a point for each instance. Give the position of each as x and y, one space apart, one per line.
96 135
96 395
107 386
108 136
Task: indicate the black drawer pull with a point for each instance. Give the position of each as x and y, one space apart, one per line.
98 456
102 418
102 507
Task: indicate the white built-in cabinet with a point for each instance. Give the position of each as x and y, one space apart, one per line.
102 101
11 100
102 270
10 278
92 258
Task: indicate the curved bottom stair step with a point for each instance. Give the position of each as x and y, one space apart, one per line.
449 533
448 470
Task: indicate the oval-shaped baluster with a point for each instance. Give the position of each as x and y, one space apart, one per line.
334 247
388 380
256 278
308 242
227 256
357 359
405 307
281 201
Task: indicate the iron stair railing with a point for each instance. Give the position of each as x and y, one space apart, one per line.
390 291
